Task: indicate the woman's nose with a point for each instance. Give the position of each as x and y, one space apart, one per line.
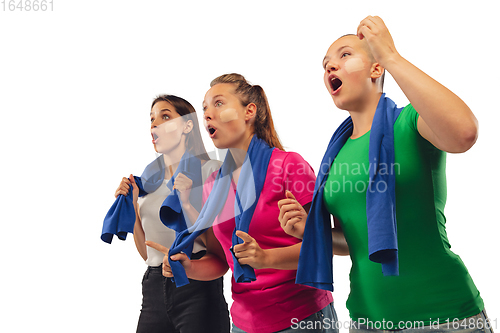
207 114
331 67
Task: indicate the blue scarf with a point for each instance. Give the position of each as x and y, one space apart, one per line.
171 213
250 184
120 218
315 262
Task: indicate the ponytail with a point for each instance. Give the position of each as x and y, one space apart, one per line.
263 125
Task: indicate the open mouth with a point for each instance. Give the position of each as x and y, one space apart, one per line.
335 83
155 138
211 130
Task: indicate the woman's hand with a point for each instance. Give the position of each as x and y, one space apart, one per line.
125 187
292 216
378 38
183 184
250 253
182 257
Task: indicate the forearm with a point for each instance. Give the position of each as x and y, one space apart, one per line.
449 123
339 244
139 235
282 257
191 213
207 268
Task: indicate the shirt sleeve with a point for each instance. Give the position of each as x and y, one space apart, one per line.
410 116
298 177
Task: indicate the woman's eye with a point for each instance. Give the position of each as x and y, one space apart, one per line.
165 117
344 54
218 103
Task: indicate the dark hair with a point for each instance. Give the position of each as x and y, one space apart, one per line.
263 125
194 143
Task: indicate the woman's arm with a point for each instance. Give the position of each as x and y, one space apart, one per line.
250 253
210 267
139 236
445 120
339 244
293 219
213 264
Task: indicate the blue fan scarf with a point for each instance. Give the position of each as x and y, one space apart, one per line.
315 262
250 184
120 218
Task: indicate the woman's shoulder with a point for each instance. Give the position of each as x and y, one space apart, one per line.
209 168
289 158
211 165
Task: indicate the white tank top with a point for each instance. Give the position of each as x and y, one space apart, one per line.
154 229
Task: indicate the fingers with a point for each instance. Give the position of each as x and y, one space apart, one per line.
244 236
249 253
290 198
132 181
240 248
290 195
289 208
369 26
182 182
179 257
167 270
290 225
123 188
158 247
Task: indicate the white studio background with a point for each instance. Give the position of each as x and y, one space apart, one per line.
76 84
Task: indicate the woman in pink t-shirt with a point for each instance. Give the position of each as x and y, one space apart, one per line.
237 115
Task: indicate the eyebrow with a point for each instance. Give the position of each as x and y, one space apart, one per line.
219 95
338 51
162 110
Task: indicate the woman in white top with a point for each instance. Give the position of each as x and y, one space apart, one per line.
200 305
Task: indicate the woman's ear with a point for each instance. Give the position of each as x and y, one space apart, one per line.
250 111
376 71
188 127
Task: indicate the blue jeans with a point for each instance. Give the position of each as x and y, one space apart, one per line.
196 307
475 324
323 321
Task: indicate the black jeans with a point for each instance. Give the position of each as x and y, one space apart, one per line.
197 307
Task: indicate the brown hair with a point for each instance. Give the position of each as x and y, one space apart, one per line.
194 143
263 126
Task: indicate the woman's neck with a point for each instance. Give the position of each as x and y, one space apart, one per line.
239 153
362 118
172 160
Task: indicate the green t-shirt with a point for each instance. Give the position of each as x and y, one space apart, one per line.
433 283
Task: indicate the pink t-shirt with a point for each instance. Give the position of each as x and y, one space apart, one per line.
271 302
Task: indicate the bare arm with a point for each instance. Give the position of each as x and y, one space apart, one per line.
139 237
211 266
250 253
445 120
339 243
